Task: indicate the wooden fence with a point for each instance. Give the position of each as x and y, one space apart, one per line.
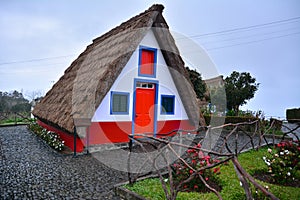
14 118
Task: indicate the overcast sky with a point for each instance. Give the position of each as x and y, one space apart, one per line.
40 39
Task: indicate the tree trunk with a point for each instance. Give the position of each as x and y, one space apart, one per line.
236 110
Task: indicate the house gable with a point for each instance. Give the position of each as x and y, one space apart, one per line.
125 83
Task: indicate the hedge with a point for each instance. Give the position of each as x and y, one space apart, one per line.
230 119
293 115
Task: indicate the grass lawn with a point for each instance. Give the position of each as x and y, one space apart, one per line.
12 121
231 189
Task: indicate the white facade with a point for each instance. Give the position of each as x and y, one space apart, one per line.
125 83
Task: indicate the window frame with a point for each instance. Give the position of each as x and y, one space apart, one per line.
141 48
162 110
127 94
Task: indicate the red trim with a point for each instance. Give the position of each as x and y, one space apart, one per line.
113 132
67 137
117 132
164 127
109 132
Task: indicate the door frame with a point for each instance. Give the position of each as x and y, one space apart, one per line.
155 102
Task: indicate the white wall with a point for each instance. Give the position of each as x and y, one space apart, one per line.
125 83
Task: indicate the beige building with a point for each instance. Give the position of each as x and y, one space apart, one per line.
214 82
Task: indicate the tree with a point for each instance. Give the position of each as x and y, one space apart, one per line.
31 95
198 83
13 102
239 88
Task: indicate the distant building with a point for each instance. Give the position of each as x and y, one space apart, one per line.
33 103
217 81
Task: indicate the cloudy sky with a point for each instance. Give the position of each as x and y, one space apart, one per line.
40 39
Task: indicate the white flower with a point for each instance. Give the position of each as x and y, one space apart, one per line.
276 155
165 180
288 173
267 187
264 157
286 151
281 153
241 184
269 150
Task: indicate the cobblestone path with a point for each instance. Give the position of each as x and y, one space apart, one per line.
31 170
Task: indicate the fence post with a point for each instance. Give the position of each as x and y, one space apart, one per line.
129 159
75 141
88 140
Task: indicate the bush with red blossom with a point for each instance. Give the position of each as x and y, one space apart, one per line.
195 161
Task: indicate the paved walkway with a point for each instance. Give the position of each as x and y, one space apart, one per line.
291 126
31 170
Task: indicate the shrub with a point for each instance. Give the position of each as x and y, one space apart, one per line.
196 159
283 161
233 120
51 138
293 115
230 119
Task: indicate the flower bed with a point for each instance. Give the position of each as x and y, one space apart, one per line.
251 161
195 161
51 138
283 163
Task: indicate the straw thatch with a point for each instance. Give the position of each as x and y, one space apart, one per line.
85 83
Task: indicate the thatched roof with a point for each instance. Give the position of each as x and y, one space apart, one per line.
85 83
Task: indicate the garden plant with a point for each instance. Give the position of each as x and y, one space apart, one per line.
50 137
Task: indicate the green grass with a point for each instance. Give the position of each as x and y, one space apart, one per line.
231 189
17 121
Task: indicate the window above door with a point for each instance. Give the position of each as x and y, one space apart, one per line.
147 62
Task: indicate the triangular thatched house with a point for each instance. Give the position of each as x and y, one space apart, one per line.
130 80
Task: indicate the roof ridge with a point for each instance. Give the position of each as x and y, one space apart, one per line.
155 7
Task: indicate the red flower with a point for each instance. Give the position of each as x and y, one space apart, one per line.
206 157
194 161
278 145
217 170
185 186
191 171
206 178
190 150
195 186
199 145
201 155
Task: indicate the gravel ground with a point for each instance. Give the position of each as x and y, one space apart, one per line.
31 170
